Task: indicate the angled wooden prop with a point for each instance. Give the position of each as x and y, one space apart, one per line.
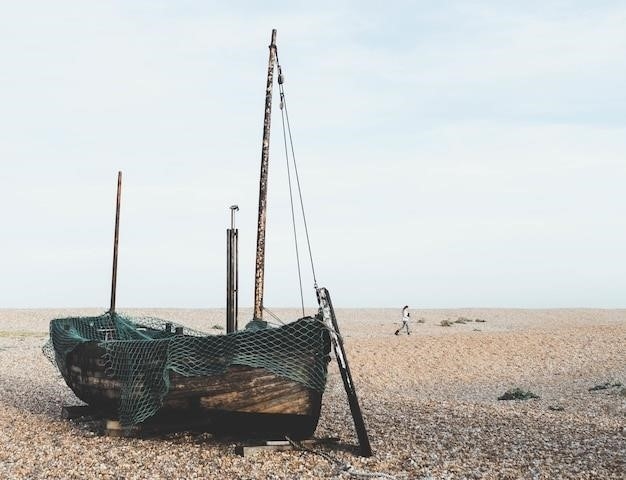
323 297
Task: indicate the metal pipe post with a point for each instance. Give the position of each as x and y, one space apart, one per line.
232 273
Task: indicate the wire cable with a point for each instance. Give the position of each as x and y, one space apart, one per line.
295 166
293 215
276 317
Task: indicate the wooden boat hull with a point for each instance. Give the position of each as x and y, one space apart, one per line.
242 400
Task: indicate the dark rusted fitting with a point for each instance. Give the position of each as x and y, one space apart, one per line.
233 209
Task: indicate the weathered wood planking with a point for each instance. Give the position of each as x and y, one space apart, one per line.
240 398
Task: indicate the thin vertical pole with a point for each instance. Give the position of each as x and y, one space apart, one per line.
116 242
265 148
229 280
236 282
232 273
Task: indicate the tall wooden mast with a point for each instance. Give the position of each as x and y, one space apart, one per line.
265 150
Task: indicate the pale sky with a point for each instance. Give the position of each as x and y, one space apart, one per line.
452 154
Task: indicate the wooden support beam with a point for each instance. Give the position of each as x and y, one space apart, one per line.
112 428
326 305
72 412
282 445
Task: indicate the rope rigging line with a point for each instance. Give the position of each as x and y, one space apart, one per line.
276 317
295 165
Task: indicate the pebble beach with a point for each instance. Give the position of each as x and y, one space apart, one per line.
430 402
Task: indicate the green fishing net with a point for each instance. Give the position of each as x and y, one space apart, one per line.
140 353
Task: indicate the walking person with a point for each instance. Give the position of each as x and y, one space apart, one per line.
406 316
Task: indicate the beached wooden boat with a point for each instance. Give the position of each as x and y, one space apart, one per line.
261 381
258 381
266 382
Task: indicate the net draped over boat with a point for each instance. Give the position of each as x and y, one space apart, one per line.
140 352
